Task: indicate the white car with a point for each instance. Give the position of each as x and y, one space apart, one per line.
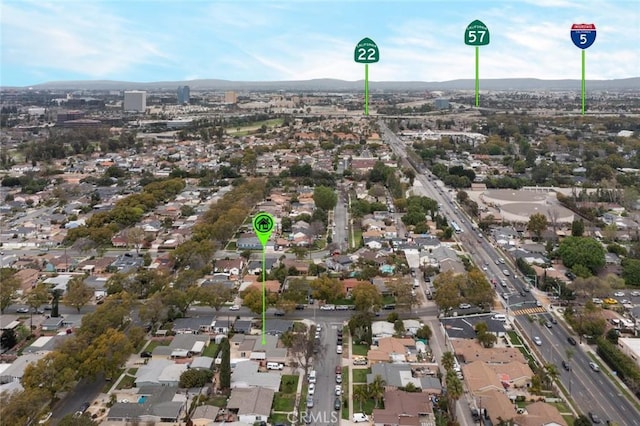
328 307
312 389
464 306
537 341
360 417
234 308
339 349
506 272
619 294
338 390
635 293
484 268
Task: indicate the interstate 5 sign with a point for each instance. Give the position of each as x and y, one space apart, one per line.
476 34
583 35
366 52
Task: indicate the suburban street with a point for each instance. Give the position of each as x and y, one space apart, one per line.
590 391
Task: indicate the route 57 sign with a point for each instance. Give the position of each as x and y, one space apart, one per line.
476 34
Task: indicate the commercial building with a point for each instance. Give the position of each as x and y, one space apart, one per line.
135 101
183 95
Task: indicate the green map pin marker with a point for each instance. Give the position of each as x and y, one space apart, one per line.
263 225
477 34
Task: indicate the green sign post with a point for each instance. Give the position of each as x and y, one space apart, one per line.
366 52
477 34
263 224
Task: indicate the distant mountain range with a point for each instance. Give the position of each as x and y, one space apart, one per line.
333 85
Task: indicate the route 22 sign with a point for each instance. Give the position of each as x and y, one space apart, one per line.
366 52
583 35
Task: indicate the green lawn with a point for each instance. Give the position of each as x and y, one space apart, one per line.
218 401
127 382
360 350
278 418
210 350
514 338
302 407
366 407
155 343
289 383
360 375
345 394
283 402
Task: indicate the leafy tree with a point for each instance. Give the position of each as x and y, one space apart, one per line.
21 407
225 364
106 354
9 284
454 391
360 327
8 339
577 228
195 378
38 296
424 332
537 224
154 311
301 347
324 197
327 288
582 420
78 293
71 420
297 290
485 338
398 328
366 297
582 251
376 389
56 372
252 299
214 295
448 361
360 394
392 317
631 271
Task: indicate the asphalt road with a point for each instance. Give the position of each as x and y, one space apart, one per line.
591 391
85 391
325 364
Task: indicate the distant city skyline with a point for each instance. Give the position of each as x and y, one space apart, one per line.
263 40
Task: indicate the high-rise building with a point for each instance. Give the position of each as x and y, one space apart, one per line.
135 101
183 95
230 98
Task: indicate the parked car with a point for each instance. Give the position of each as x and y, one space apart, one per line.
360 417
146 354
337 404
22 310
619 294
312 389
339 349
464 306
234 308
338 390
309 401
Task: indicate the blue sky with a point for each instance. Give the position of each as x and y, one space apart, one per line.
259 40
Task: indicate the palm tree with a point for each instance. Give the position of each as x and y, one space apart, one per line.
360 394
448 361
454 391
376 388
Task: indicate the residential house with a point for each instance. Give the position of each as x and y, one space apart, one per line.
467 351
540 413
497 404
193 325
480 377
394 350
160 372
154 404
230 266
251 404
400 375
204 415
28 279
246 375
404 409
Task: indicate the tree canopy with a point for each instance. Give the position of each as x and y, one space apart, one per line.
584 251
325 197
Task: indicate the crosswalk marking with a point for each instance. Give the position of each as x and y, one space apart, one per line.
529 311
